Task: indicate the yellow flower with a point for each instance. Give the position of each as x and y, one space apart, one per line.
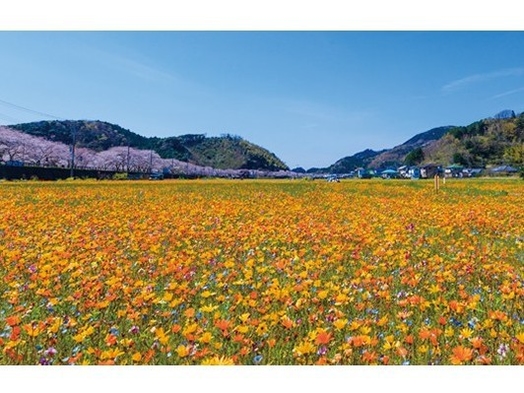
304 348
111 354
365 330
161 336
207 294
244 317
182 351
80 337
466 332
55 325
242 329
423 349
190 329
340 323
206 338
520 337
208 308
354 325
218 361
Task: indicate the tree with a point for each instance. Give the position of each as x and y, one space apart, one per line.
414 157
458 158
515 154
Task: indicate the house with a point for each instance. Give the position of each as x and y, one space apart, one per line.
504 170
454 170
429 171
403 171
472 172
414 172
389 174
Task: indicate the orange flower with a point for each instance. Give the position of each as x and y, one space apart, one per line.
111 339
461 355
287 322
32 329
476 342
222 324
369 356
359 341
424 333
189 313
15 333
323 338
13 320
482 359
402 352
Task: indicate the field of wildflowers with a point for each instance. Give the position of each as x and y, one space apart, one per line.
262 272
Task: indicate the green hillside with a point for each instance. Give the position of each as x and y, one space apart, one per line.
224 152
488 142
483 143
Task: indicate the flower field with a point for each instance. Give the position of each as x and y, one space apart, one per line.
262 272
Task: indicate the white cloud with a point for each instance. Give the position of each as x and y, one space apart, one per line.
507 93
138 68
463 83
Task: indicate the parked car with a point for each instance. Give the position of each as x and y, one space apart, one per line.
156 176
333 179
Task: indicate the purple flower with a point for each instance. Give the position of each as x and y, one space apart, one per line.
134 329
322 350
502 350
51 351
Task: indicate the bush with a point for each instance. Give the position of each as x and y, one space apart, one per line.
120 176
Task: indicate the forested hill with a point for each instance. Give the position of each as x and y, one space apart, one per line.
498 140
224 152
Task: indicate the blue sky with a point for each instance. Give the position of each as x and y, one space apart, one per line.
311 97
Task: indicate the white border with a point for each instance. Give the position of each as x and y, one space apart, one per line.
261 15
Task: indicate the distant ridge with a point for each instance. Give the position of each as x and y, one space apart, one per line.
224 152
492 141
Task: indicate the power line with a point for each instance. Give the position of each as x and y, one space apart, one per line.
9 118
10 104
32 111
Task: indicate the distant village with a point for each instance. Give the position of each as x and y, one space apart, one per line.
23 156
16 169
428 171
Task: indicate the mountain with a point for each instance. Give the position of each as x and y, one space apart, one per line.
350 163
396 156
224 152
491 141
385 158
505 114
